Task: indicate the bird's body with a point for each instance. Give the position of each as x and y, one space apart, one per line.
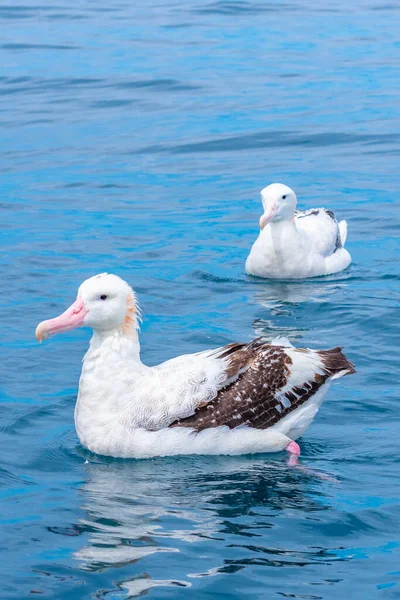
241 398
296 244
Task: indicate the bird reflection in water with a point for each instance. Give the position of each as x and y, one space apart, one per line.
282 298
137 509
285 295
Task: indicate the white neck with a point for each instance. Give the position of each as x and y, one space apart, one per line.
288 222
282 246
111 370
280 233
118 343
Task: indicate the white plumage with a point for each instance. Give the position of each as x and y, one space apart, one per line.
296 244
241 398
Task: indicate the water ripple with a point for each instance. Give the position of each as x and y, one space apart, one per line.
277 139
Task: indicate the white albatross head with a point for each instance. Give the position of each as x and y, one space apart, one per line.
104 302
279 203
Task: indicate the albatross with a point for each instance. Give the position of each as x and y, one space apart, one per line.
296 244
236 399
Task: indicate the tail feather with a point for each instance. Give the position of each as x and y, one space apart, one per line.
335 363
281 341
343 231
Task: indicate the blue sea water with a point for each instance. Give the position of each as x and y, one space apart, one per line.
135 138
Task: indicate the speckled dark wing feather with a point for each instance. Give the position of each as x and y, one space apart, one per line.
301 214
255 398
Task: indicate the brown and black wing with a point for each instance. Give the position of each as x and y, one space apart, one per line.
260 395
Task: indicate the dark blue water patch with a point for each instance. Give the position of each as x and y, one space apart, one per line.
20 8
157 84
278 139
16 46
58 86
231 8
385 7
111 103
21 12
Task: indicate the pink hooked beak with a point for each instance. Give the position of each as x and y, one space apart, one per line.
269 214
71 318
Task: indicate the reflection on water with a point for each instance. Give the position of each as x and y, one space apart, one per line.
136 509
285 296
282 299
267 329
303 300
142 584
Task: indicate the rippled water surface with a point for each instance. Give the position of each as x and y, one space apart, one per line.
135 138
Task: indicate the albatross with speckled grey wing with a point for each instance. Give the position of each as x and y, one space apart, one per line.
295 244
241 398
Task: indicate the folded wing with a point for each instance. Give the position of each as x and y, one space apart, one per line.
322 228
267 383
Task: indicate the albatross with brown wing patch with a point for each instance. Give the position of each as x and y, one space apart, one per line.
239 399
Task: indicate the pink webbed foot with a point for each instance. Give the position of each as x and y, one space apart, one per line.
294 452
293 461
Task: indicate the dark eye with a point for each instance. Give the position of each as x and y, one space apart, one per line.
284 197
103 297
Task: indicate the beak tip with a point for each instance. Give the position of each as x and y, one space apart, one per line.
40 333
